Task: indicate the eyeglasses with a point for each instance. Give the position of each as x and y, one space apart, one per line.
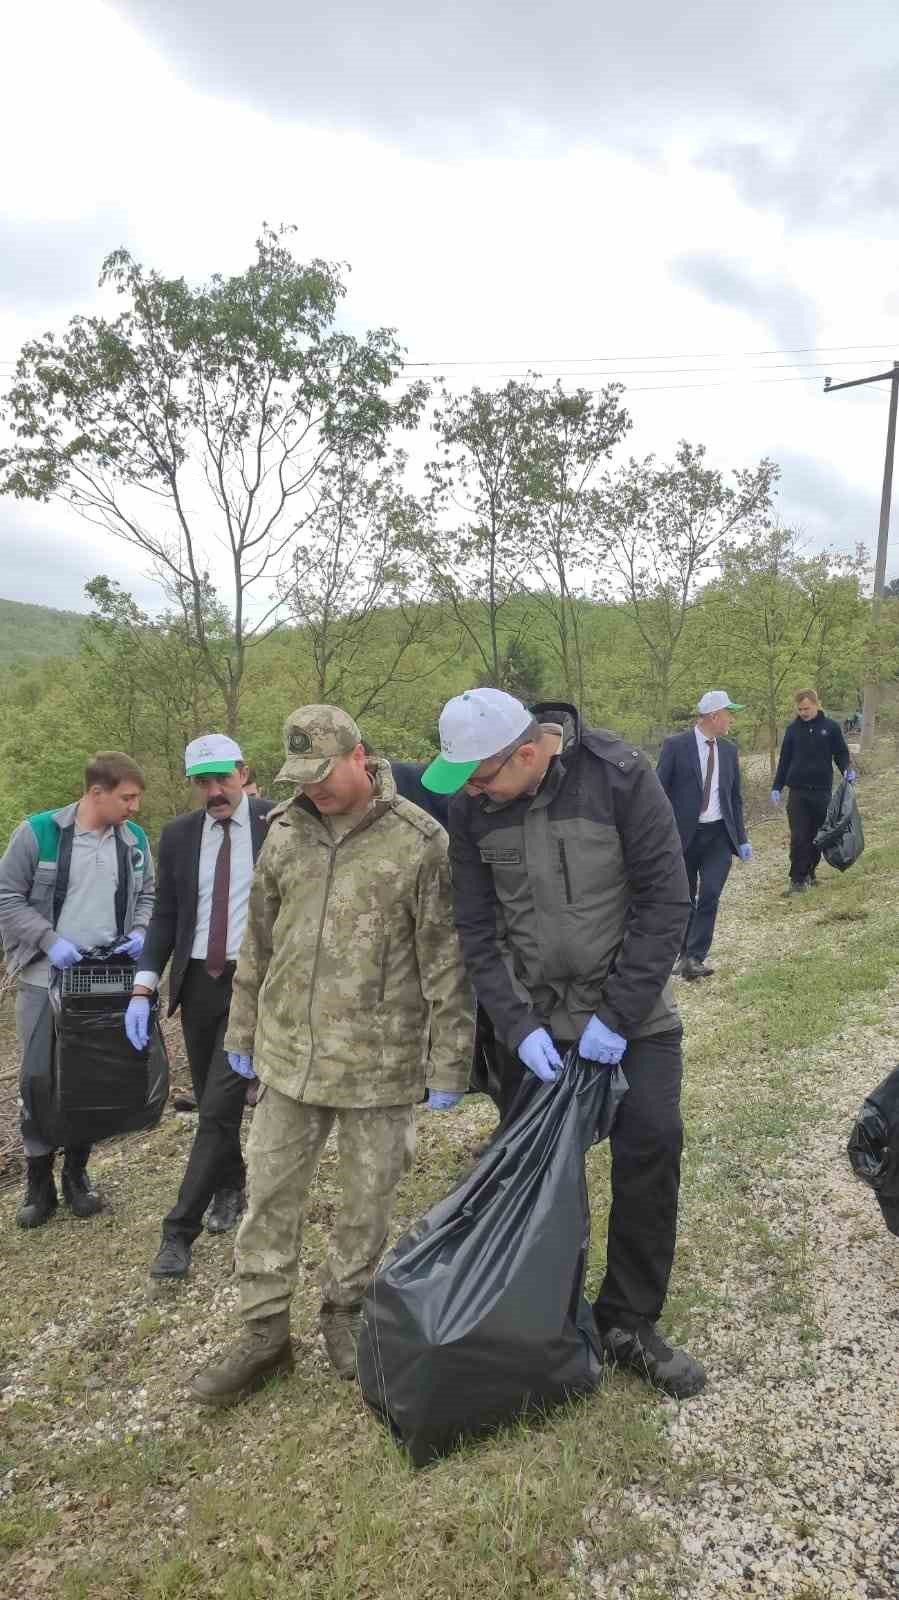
480 780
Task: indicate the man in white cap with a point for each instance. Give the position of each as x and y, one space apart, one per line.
570 898
206 861
700 772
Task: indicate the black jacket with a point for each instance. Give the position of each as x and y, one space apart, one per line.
174 921
808 753
575 899
680 775
407 777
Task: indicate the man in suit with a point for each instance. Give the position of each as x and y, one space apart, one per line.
206 862
700 773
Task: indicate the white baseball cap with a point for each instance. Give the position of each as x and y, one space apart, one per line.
717 700
212 752
473 726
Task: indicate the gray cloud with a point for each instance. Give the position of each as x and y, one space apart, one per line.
818 500
49 555
484 69
788 312
55 263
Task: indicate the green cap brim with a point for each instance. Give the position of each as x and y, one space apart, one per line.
218 767
446 777
732 706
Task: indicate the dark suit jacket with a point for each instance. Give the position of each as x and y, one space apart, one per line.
680 775
407 777
174 921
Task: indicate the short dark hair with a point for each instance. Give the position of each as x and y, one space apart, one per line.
109 768
249 776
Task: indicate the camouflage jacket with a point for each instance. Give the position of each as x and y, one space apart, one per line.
350 957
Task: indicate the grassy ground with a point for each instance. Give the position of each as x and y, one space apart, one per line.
114 1487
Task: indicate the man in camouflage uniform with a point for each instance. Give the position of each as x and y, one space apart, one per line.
349 959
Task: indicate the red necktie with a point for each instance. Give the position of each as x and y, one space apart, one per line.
709 774
217 948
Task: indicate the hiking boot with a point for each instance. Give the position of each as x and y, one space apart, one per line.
795 888
691 969
263 1351
41 1198
644 1351
226 1210
79 1194
341 1327
172 1262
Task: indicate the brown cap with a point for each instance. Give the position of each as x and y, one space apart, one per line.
314 738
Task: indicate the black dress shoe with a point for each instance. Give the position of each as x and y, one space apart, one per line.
226 1210
172 1261
692 969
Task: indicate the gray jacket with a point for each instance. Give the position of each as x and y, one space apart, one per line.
34 875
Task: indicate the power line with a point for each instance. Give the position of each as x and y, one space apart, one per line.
689 355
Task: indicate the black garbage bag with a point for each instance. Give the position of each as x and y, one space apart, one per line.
477 1315
873 1147
841 837
97 1084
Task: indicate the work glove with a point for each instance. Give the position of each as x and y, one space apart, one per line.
746 851
137 1021
540 1055
775 797
62 953
850 774
443 1099
241 1064
133 945
599 1043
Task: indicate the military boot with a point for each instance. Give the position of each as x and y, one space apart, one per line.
41 1198
79 1194
341 1327
263 1351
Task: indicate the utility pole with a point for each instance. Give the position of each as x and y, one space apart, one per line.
872 685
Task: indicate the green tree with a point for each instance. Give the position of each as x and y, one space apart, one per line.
659 531
777 619
196 425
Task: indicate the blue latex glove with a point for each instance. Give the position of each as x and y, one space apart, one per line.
775 797
137 1021
243 1065
62 953
442 1099
599 1043
540 1055
850 774
133 945
746 851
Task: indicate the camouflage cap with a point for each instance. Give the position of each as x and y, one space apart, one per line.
314 738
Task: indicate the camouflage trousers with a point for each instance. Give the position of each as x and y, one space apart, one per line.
375 1148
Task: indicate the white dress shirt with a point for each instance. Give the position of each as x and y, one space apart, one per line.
712 812
240 882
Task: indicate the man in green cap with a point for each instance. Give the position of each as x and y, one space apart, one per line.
349 959
700 772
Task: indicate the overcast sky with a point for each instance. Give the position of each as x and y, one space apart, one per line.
653 191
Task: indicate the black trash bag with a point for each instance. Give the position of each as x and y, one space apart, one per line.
477 1315
98 1084
873 1147
841 837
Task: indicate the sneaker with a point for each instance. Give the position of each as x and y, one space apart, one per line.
644 1351
226 1210
341 1327
263 1351
795 888
172 1263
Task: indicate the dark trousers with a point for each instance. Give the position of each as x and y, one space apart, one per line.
215 1160
646 1143
707 859
806 809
